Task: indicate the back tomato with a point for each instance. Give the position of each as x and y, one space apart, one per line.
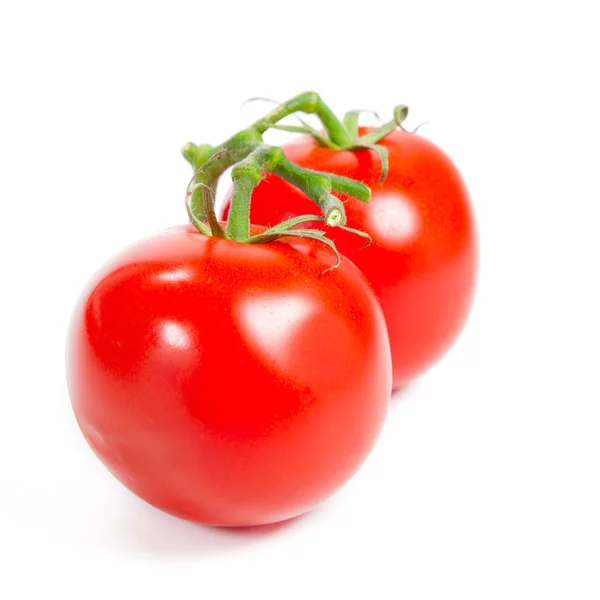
228 383
422 263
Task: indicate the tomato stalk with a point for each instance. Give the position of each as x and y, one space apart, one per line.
250 157
339 134
309 103
247 174
271 159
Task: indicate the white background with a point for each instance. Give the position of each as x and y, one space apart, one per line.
485 482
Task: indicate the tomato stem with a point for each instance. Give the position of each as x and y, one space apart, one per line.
244 142
250 158
339 135
247 174
309 103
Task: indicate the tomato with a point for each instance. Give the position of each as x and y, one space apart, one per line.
228 383
423 260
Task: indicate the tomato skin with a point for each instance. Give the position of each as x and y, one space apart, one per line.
227 383
422 263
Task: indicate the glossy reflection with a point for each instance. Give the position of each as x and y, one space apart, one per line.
270 322
174 335
176 275
392 220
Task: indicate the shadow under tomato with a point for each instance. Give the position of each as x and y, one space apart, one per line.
406 392
153 532
256 531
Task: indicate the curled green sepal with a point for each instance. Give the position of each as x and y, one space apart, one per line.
291 223
382 153
198 224
350 120
209 208
286 228
362 234
275 233
208 200
400 114
306 129
416 128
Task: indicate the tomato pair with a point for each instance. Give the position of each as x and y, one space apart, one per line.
228 374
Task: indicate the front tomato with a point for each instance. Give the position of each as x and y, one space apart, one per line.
229 383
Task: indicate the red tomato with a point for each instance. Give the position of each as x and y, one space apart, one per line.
228 383
423 260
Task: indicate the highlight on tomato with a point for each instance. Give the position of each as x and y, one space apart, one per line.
422 262
227 374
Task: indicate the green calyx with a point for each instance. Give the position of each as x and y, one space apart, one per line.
250 158
247 173
344 134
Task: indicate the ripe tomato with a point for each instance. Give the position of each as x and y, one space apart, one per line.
423 260
229 383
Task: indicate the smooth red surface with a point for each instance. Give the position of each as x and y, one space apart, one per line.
423 260
226 383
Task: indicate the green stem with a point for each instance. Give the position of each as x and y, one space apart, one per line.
250 157
400 114
309 103
247 174
242 144
318 187
210 163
